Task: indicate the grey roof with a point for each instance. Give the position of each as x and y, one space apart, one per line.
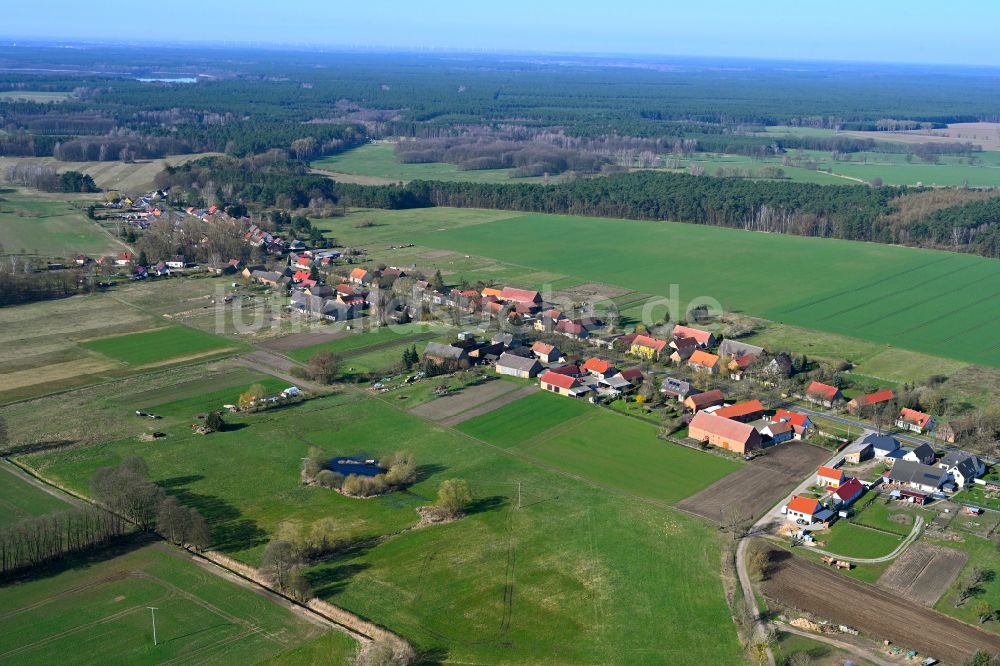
925 454
504 338
882 442
905 471
443 351
616 382
267 275
518 362
737 349
678 386
966 463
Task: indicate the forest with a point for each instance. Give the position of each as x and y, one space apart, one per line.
849 212
315 104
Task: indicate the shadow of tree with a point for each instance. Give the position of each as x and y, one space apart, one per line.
332 578
425 472
230 531
81 560
484 504
175 481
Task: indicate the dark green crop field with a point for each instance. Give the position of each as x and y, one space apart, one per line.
927 301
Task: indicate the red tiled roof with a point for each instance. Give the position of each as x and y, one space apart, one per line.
706 399
703 358
597 365
740 409
744 361
542 348
358 273
520 295
571 327
491 291
779 428
822 390
874 398
914 417
632 374
849 489
794 418
572 370
803 505
301 275
830 473
556 379
345 289
721 426
655 344
701 336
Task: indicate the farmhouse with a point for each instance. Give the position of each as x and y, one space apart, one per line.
751 410
699 401
923 454
848 492
676 388
563 384
917 476
963 468
823 394
776 432
801 424
705 339
599 367
573 330
828 477
633 376
702 361
546 353
124 258
683 348
805 509
269 278
871 400
911 419
724 433
735 349
320 307
512 295
517 366
647 347
359 276
738 366
780 366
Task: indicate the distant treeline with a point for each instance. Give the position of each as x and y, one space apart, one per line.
47 179
27 286
260 181
835 211
525 157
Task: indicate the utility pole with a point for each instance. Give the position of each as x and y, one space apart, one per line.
152 612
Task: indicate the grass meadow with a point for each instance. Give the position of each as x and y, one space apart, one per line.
855 541
355 343
19 499
160 346
135 177
97 613
37 224
378 161
602 446
577 574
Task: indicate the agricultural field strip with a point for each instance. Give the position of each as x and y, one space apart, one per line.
876 611
924 572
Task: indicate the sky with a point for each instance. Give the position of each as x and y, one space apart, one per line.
910 31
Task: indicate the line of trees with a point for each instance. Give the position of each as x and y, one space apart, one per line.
127 492
41 539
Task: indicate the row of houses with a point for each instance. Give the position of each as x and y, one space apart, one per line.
594 378
906 419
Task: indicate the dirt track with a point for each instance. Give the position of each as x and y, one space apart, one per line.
760 484
796 582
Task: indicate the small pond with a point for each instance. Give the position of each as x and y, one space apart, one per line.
358 465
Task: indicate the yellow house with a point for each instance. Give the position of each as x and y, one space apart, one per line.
647 347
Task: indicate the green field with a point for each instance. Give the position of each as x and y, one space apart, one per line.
354 342
38 224
524 418
602 446
878 516
98 613
931 302
595 576
19 499
160 346
854 541
378 161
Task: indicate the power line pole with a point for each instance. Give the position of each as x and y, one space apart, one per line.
152 612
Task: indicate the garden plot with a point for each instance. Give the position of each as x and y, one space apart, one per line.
924 572
469 398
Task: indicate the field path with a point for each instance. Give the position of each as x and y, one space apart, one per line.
856 650
40 485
